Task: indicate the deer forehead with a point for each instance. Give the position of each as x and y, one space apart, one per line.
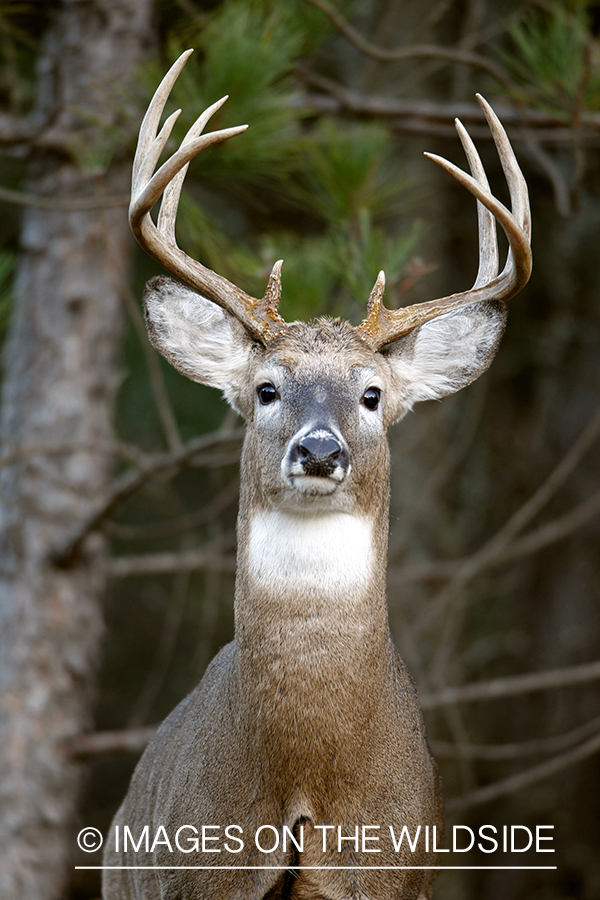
324 357
324 338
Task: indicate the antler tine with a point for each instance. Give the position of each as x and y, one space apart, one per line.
383 326
170 202
486 224
259 316
517 186
520 252
150 122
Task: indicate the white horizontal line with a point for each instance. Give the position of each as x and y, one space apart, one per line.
244 868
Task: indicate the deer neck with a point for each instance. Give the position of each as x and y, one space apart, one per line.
312 635
315 562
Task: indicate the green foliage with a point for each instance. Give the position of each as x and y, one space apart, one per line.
552 59
346 178
347 170
316 195
246 50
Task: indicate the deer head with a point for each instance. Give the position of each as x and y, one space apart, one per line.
319 396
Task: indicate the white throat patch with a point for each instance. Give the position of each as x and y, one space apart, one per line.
328 552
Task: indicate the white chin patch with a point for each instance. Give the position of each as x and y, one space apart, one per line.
325 552
311 484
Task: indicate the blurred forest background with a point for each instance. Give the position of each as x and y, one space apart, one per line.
119 479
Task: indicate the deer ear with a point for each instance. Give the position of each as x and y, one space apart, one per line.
200 339
444 355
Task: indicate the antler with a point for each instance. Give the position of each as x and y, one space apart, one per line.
382 326
260 317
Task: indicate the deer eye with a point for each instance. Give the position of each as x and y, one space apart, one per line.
371 398
267 393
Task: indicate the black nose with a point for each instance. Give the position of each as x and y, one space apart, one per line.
320 453
320 448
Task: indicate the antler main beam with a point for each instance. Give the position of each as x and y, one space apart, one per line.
383 326
259 316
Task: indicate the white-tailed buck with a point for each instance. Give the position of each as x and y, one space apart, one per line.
306 729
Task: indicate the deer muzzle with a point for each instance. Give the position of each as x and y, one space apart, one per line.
317 461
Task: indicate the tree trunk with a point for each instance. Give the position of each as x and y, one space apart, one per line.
61 371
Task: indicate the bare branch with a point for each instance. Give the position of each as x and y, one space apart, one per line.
425 117
207 557
20 453
532 542
132 481
132 740
423 51
555 480
470 36
159 390
524 779
171 527
562 194
76 204
549 679
493 549
21 129
497 752
165 643
449 461
553 531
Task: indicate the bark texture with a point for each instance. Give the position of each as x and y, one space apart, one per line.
61 370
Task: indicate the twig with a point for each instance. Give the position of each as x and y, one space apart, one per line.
497 752
184 561
562 193
449 460
455 721
425 117
19 453
132 740
211 595
470 30
159 391
76 204
135 739
557 137
166 641
549 679
21 129
532 542
132 481
524 779
553 531
171 527
454 596
426 51
555 480
498 543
